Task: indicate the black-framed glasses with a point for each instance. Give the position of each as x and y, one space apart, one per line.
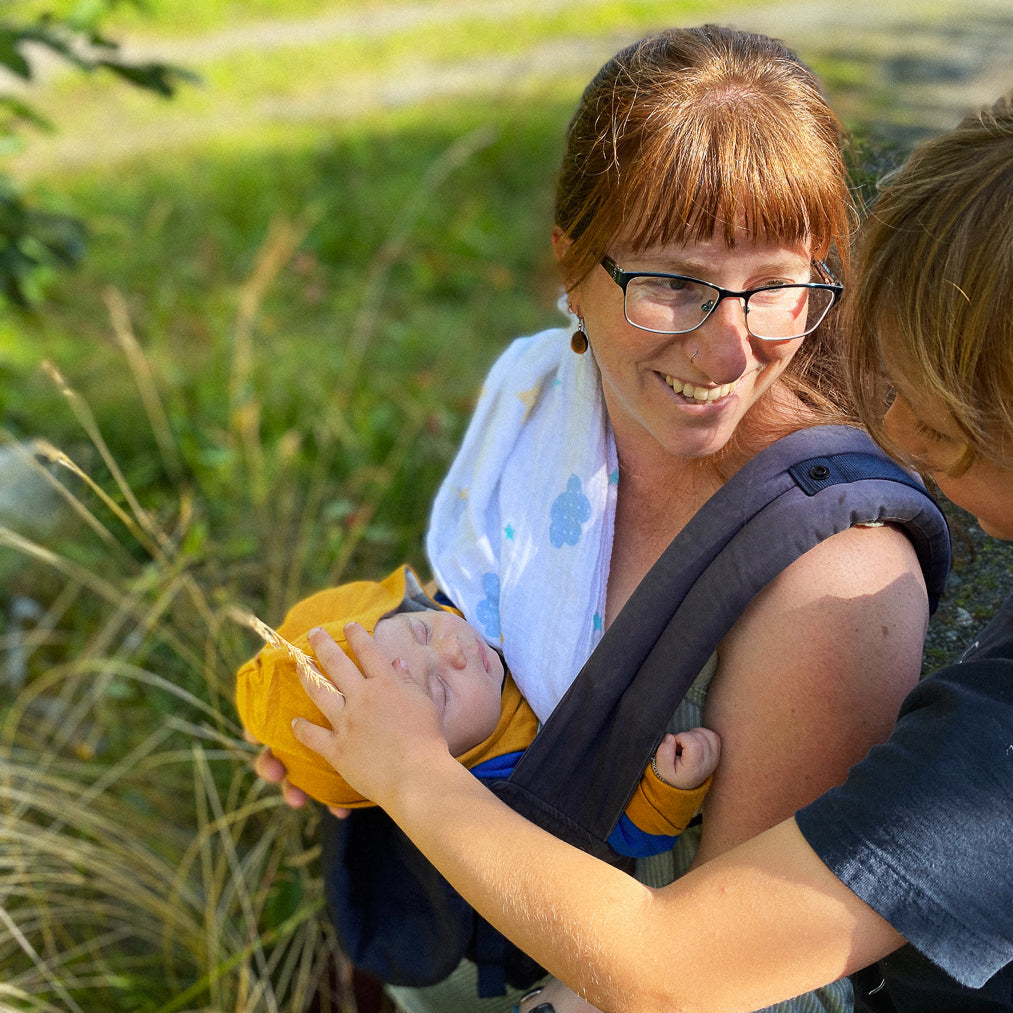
677 304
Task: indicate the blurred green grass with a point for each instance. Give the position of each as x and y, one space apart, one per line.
258 376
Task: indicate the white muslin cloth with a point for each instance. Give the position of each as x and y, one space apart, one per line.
521 530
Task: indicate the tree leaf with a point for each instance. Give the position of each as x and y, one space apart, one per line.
10 55
157 77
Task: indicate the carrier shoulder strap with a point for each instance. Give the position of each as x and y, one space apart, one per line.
577 776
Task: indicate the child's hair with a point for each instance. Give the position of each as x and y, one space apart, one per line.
934 284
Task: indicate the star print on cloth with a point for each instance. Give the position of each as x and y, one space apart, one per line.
528 399
539 465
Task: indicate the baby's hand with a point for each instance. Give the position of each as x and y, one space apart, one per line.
687 759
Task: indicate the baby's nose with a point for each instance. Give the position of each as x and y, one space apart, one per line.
452 652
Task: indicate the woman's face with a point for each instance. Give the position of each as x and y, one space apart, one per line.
453 666
686 393
930 436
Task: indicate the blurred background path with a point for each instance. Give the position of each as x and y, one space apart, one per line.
907 68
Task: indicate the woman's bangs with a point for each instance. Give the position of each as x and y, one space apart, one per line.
730 181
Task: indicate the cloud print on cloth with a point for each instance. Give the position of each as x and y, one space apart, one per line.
487 610
570 509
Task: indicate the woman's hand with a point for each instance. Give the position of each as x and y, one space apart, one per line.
269 768
558 997
383 725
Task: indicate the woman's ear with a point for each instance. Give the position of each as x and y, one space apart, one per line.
560 242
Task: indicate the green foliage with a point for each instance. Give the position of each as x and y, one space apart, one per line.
264 412
32 236
144 868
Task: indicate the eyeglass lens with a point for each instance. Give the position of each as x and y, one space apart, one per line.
672 305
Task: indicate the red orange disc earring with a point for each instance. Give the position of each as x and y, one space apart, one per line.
578 342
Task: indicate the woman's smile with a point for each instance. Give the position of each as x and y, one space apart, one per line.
700 395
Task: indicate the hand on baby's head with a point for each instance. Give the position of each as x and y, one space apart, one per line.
686 759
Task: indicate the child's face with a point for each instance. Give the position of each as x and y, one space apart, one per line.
459 672
930 436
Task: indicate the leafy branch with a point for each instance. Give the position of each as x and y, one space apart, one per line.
31 236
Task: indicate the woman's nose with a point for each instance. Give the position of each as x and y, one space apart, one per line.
723 342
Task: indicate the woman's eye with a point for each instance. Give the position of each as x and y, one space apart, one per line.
661 286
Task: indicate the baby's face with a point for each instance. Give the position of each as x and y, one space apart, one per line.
454 666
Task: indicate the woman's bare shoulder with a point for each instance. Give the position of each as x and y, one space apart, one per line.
859 560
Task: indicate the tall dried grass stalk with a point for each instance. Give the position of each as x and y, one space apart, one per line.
143 867
142 864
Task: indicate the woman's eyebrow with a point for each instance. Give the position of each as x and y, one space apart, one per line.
787 263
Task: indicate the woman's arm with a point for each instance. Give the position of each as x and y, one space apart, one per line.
762 923
810 676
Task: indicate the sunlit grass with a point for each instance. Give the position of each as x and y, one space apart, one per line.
173 17
144 866
142 862
268 75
